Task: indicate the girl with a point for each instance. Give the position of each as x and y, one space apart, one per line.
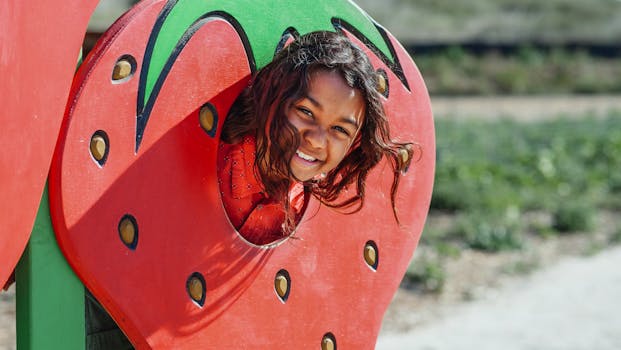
311 122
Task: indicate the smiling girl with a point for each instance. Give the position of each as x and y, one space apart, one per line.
311 122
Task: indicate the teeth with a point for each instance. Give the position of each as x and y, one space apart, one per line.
305 156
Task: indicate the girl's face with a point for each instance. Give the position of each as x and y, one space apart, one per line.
328 120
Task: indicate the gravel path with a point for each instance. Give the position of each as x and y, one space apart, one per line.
7 319
571 305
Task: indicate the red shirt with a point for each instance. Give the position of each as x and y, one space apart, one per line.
257 217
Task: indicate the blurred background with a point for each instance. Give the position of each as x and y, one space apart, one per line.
521 243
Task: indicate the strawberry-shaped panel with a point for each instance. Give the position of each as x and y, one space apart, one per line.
136 208
39 46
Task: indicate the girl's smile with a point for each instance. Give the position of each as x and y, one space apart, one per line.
328 119
305 157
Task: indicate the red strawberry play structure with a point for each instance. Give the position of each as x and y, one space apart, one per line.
133 192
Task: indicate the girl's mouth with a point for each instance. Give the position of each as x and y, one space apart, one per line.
305 159
305 156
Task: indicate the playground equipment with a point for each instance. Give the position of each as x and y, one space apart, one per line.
133 195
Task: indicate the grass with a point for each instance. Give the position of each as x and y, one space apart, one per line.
490 175
494 166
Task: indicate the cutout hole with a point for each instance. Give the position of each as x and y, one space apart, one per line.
256 218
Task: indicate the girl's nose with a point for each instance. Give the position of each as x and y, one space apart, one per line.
316 137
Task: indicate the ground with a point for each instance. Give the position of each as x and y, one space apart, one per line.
572 304
476 276
7 319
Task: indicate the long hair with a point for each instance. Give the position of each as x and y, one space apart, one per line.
261 111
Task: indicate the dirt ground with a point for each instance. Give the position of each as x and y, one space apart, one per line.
474 278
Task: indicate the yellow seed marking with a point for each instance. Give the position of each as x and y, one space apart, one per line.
282 285
370 255
122 69
98 147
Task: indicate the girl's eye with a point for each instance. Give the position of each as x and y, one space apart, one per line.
305 112
341 130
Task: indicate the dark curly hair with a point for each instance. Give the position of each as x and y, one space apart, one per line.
261 110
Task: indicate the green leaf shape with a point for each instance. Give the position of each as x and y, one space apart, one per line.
264 22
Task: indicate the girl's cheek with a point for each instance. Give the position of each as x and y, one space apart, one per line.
344 152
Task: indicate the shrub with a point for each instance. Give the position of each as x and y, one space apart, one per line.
425 274
490 232
573 216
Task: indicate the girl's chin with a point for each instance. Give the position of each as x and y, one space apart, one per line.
305 174
304 170
302 177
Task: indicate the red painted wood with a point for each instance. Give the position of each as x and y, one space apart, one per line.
39 45
170 187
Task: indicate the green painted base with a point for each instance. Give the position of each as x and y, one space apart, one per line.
50 297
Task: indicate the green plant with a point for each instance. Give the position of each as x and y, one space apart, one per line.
492 175
573 216
426 274
487 232
615 238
